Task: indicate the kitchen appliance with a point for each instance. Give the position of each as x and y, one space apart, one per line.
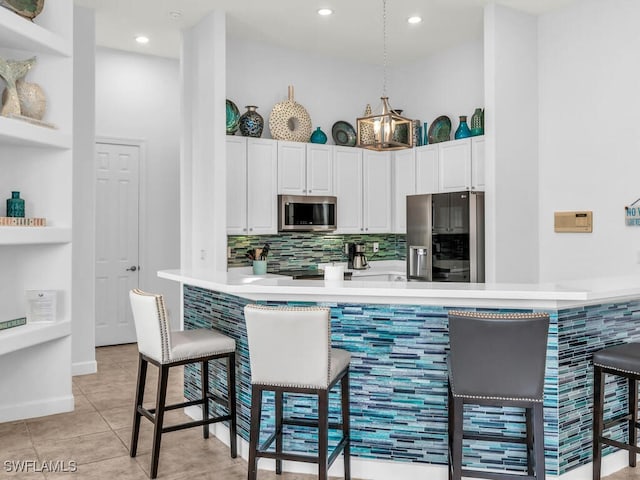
357 259
310 213
445 237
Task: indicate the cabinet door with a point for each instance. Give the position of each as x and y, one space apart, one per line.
319 169
348 189
236 186
376 169
291 168
477 163
454 164
262 186
404 183
427 169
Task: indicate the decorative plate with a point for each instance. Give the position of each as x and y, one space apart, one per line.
25 8
440 130
343 134
233 117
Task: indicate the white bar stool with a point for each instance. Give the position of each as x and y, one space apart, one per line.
290 352
166 349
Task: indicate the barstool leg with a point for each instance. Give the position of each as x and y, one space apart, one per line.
163 376
323 434
538 440
142 380
279 408
450 431
633 413
456 444
598 421
204 386
254 434
530 447
231 394
346 425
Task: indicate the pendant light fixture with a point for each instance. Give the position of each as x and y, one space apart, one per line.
376 132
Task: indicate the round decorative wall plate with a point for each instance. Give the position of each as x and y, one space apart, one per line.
344 134
440 130
25 8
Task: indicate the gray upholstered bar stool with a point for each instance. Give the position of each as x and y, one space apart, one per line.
499 360
622 361
290 352
165 349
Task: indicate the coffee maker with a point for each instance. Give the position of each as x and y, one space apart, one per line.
357 259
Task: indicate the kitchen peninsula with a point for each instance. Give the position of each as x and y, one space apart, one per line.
397 333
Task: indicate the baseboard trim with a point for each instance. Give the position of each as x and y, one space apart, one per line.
371 469
38 408
84 368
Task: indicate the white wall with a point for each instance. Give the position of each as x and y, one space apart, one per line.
589 136
328 88
83 256
447 83
138 97
511 132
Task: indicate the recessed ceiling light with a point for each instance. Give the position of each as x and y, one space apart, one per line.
325 11
142 39
175 14
414 19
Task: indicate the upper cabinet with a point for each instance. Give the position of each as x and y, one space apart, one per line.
251 186
404 183
477 163
348 189
305 169
454 165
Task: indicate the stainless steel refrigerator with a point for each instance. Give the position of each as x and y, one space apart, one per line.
445 237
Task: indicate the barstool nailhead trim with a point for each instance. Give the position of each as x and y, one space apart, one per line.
609 367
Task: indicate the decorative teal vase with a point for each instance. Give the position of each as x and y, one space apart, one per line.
251 122
318 136
463 130
477 122
233 117
425 134
15 205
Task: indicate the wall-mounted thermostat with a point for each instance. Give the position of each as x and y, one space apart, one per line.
573 222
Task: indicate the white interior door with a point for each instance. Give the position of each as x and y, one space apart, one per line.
117 267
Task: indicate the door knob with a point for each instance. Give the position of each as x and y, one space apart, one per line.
132 268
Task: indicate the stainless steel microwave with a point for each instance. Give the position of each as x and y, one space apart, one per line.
299 213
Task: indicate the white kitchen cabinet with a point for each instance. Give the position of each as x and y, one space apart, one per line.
477 163
305 169
427 169
35 359
348 189
376 204
404 183
454 165
252 166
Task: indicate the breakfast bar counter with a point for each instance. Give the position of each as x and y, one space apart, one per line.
397 333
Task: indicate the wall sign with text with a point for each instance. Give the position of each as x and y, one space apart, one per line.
632 214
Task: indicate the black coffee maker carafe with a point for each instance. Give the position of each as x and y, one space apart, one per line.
357 259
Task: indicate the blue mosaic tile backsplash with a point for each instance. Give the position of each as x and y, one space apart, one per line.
399 381
305 250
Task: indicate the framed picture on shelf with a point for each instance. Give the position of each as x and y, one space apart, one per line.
41 306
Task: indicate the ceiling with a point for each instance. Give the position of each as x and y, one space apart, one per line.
353 32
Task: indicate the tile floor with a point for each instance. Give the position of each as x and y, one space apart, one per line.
96 435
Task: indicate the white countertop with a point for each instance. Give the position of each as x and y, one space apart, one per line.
390 290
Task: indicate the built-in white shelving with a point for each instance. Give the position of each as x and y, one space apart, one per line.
20 34
21 133
34 235
29 335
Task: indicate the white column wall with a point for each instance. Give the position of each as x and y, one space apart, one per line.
511 131
138 97
83 355
204 231
589 136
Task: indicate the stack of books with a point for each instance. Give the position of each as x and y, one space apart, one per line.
22 222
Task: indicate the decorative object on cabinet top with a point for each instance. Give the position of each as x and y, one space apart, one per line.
463 130
15 205
440 130
343 134
366 134
25 8
477 122
318 136
233 117
251 122
290 121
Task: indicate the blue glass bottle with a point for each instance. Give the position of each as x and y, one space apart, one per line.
318 136
425 133
463 130
15 205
